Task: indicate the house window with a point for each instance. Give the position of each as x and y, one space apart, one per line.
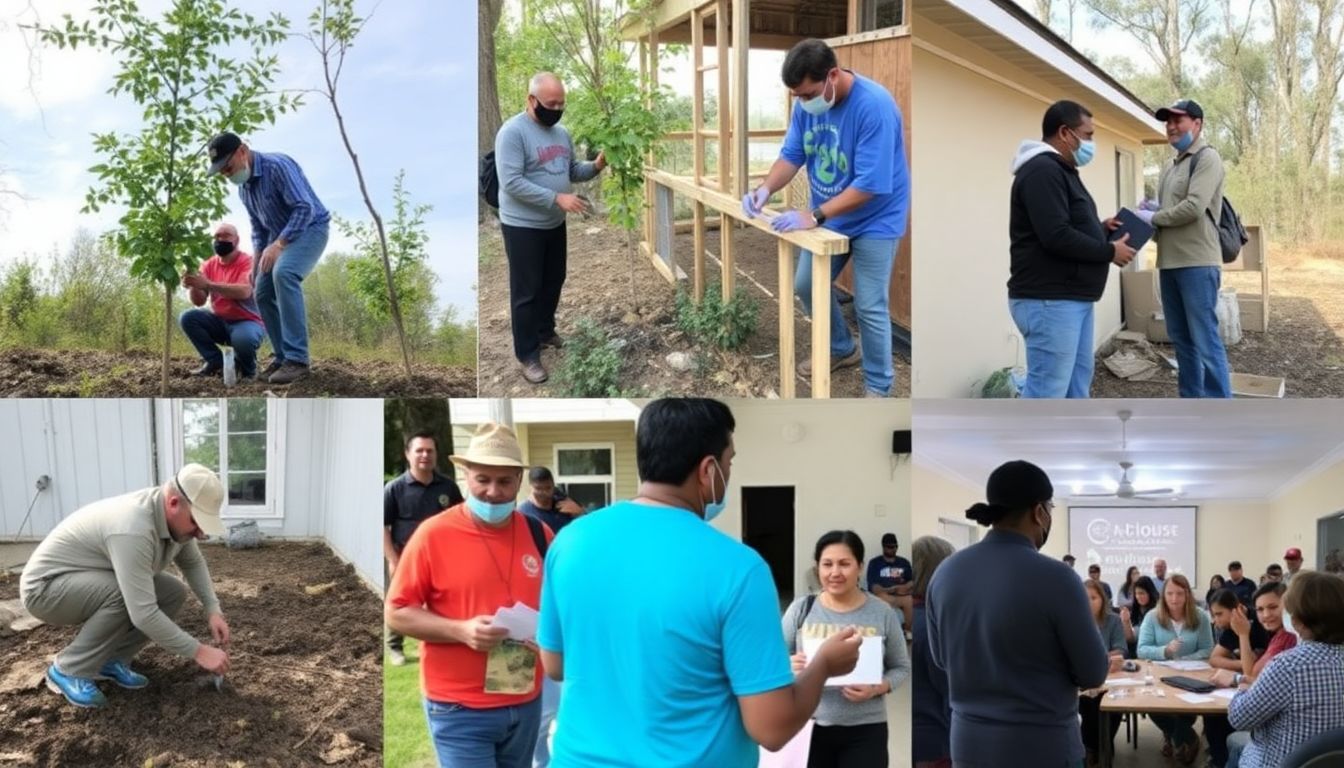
880 14
238 438
1126 194
587 472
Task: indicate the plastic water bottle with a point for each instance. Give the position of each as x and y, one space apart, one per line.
230 373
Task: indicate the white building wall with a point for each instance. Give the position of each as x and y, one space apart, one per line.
347 482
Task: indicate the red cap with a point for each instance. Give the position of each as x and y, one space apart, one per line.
1293 553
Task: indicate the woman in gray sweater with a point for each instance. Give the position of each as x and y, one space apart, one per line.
1113 635
851 721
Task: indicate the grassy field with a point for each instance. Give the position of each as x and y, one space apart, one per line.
405 737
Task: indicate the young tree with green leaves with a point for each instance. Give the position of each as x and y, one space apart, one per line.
333 27
179 69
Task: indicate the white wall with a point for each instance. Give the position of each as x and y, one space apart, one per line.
1296 513
347 477
91 449
840 467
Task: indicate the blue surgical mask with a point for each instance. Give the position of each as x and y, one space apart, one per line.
241 176
1184 142
492 514
1086 150
715 508
819 104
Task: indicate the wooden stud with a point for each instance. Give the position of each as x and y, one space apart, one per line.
786 373
821 325
724 95
698 227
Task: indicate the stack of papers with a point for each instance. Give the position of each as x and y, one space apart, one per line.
1225 693
520 620
1185 666
867 672
1195 698
1121 681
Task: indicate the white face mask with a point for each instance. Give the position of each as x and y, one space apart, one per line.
819 104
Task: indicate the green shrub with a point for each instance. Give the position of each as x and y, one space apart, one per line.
714 323
591 366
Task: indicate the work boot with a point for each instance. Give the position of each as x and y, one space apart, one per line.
289 373
553 341
207 370
533 372
121 674
852 359
80 691
276 364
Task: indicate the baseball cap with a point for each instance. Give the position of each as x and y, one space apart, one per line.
1182 107
221 148
888 539
205 493
1293 553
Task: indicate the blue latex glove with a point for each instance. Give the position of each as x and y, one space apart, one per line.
754 201
791 221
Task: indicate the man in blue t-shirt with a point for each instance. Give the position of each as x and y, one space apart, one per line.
892 578
678 668
848 131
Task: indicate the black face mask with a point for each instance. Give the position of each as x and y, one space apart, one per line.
223 247
546 116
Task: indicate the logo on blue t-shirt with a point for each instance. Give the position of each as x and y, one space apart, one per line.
828 164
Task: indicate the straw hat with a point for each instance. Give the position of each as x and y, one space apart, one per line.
493 445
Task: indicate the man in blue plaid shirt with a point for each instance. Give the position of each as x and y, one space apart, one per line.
1301 693
289 233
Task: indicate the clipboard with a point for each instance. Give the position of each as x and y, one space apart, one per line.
1139 231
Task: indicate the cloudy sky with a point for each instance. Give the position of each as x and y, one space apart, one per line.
408 95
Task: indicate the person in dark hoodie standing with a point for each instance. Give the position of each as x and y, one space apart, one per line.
1061 256
1014 668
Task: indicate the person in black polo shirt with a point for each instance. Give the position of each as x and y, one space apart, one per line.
1243 587
408 500
548 504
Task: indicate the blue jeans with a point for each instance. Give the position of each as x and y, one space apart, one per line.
1236 744
550 705
1189 302
208 331
280 295
1058 336
483 738
873 258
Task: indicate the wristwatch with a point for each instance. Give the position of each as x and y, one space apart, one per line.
818 216
1237 678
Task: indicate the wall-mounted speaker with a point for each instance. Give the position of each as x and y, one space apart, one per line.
900 442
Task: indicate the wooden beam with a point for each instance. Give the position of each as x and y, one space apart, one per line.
821 325
721 19
855 38
819 241
710 133
741 47
666 14
852 18
786 269
698 226
698 94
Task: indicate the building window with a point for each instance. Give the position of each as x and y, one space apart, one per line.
238 438
880 14
587 472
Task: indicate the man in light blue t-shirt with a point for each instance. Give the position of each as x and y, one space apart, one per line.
848 131
663 668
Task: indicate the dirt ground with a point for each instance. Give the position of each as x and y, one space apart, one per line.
599 286
305 687
78 373
1305 341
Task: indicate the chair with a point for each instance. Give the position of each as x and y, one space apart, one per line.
1325 750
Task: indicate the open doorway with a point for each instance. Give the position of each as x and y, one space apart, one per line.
1330 542
767 527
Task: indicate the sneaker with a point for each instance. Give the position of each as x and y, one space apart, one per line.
121 674
80 691
207 370
289 373
397 658
533 372
553 341
852 359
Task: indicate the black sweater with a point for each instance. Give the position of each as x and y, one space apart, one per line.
1059 247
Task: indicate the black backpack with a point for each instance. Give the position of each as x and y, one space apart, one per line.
534 526
802 614
1231 234
488 179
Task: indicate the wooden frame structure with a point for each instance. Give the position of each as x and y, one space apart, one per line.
735 27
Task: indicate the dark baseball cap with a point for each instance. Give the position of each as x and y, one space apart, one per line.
1182 107
221 148
888 539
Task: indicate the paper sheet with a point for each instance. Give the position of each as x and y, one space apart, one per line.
1225 693
1186 666
867 672
1195 698
1113 682
520 620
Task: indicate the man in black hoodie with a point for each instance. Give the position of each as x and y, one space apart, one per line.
1060 254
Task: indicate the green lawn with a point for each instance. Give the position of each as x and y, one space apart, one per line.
405 737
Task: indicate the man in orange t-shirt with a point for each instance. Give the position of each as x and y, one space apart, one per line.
481 687
233 318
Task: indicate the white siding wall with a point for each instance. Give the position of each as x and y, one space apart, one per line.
348 474
91 449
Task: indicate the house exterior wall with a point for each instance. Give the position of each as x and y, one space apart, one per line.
962 172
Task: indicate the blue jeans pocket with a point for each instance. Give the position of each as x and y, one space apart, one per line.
441 709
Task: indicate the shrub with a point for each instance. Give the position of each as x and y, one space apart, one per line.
714 323
591 365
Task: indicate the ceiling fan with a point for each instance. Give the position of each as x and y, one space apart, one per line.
1126 490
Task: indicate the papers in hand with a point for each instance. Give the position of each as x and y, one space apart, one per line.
867 672
1194 698
1185 666
520 621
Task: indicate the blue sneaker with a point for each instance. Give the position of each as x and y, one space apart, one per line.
80 691
119 673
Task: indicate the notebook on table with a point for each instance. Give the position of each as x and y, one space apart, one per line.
1193 684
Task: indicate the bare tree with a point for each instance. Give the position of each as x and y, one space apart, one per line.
488 119
1163 28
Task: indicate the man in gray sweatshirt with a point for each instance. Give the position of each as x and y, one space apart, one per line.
534 157
103 569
